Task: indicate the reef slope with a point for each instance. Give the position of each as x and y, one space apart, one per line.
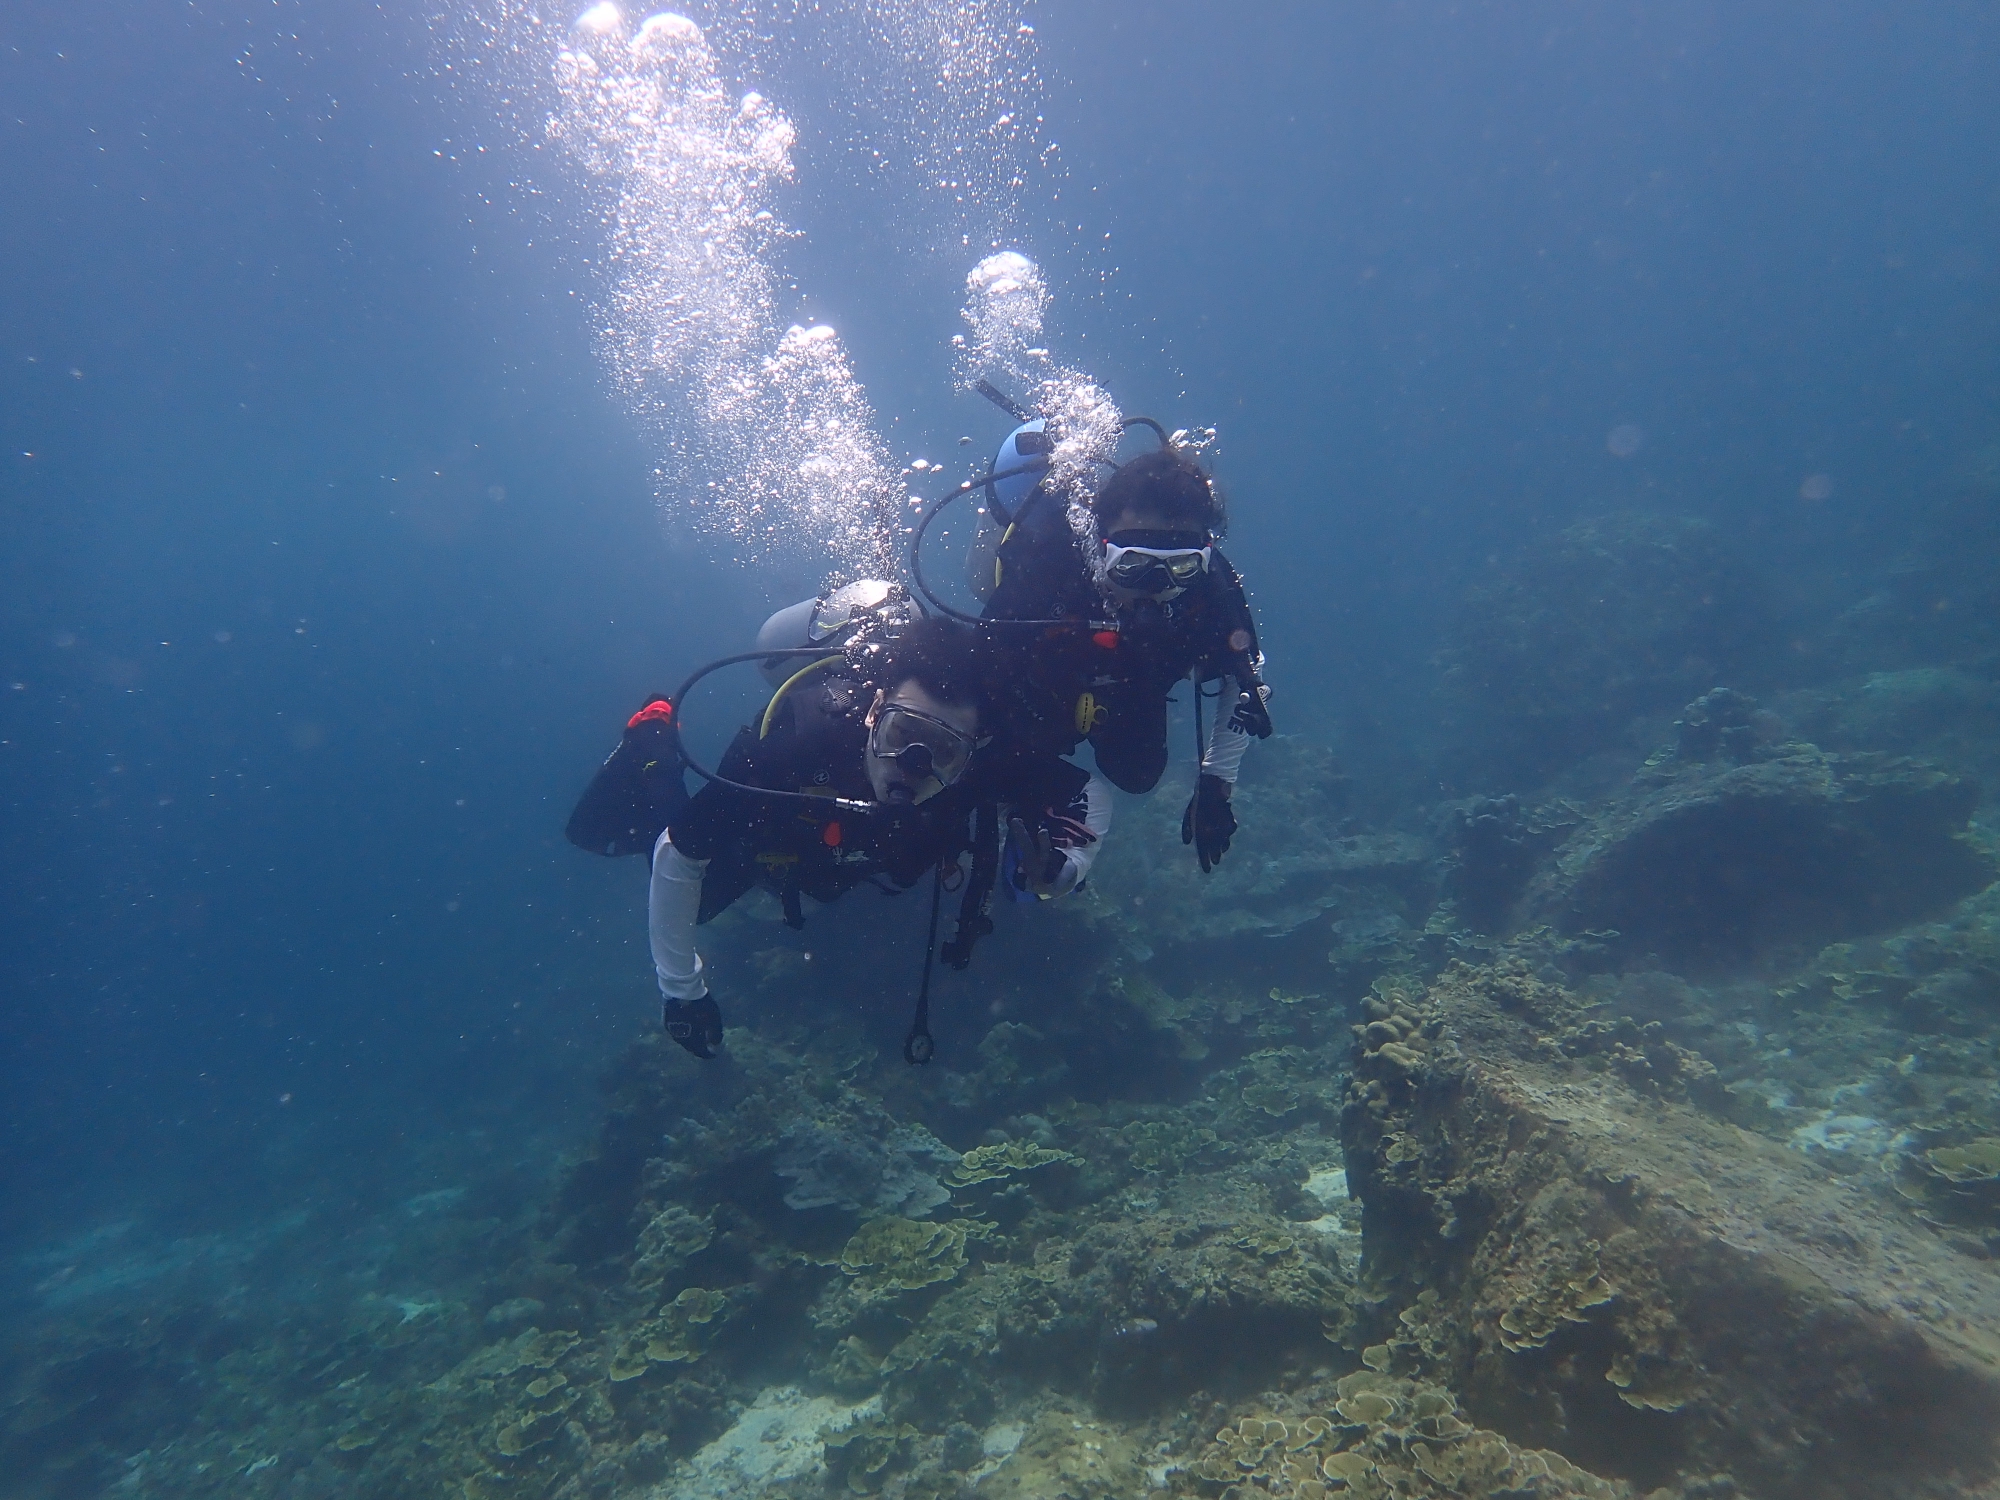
1707 865
1598 1264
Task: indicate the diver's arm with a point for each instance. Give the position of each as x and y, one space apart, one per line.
1094 805
1229 735
1208 822
1233 654
672 904
1053 858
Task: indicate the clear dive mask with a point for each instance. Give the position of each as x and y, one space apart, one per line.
920 744
1155 562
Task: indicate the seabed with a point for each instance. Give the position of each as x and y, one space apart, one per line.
1640 1140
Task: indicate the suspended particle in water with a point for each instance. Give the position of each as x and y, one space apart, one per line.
1625 439
1816 487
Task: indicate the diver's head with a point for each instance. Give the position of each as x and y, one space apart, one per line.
1157 520
924 723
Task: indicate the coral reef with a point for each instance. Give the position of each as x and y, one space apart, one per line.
1495 845
1634 1135
837 1163
1381 1437
1628 1279
1708 865
991 1163
892 1255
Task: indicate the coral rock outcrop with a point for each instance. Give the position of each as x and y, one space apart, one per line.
1613 1273
1710 864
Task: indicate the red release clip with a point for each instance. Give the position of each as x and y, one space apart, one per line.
1108 639
830 835
658 709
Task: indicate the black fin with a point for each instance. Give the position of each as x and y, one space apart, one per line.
635 794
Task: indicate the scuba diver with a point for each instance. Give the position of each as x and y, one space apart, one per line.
1143 601
872 763
642 784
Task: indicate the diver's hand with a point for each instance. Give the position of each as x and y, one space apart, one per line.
695 1024
1043 864
1252 715
1209 822
1040 861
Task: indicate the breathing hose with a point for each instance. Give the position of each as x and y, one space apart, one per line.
987 482
845 804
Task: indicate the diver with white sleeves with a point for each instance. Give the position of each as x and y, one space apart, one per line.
873 763
1107 617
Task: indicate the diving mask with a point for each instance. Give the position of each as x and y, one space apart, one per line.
920 744
1155 562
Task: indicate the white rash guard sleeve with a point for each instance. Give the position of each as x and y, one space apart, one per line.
672 904
1222 757
1097 808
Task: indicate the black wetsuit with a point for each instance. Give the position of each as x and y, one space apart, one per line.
1127 674
816 744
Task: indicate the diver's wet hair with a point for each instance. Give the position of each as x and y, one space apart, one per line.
946 658
1168 484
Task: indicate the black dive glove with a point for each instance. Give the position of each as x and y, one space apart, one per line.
1252 715
1209 823
695 1024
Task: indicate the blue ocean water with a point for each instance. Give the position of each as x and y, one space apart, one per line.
334 555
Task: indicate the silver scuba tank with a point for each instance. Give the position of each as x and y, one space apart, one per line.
831 621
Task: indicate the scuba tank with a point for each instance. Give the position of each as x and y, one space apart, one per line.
832 622
1021 464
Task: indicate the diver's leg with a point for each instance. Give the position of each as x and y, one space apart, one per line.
671 907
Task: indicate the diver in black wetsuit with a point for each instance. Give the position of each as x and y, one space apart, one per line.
1150 568
895 724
